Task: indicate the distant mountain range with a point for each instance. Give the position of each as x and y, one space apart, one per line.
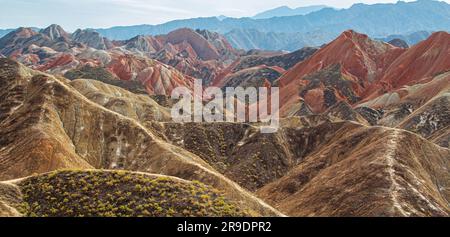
411 39
249 39
409 21
378 20
253 39
287 11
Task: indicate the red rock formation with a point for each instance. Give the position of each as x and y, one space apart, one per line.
157 78
189 54
10 43
199 54
125 65
362 60
368 69
262 61
29 59
161 80
141 43
62 60
55 31
419 64
204 49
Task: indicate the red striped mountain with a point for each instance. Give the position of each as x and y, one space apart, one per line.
260 69
355 68
85 54
200 54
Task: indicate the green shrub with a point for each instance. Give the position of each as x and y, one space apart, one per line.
120 194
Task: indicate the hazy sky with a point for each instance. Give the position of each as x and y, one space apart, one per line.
73 14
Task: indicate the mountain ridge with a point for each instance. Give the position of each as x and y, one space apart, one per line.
287 11
371 19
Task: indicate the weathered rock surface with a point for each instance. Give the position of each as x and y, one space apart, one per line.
47 125
358 61
105 193
366 172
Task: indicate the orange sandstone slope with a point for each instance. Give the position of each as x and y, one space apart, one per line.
159 63
419 64
197 53
358 61
157 78
367 171
46 124
398 104
202 47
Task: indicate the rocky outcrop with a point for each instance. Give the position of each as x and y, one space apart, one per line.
370 115
92 39
344 111
432 120
24 42
10 200
220 43
420 108
259 76
327 87
202 47
55 32
260 68
146 44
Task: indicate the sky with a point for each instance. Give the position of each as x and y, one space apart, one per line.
74 14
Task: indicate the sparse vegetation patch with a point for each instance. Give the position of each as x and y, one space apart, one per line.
120 194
